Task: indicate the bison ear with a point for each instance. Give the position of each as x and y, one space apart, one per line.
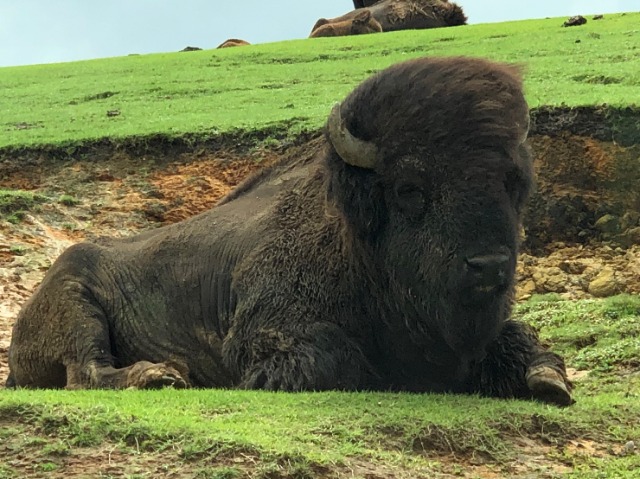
354 186
358 194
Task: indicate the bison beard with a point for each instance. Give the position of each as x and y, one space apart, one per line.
384 260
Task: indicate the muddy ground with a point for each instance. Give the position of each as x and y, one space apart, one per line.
581 235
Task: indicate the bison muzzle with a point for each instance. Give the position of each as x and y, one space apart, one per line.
384 260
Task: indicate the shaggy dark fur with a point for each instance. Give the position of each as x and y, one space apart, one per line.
316 274
360 24
407 15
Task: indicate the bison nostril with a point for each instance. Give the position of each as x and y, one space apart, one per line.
487 271
488 261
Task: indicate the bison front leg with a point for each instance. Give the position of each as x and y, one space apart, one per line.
62 336
319 358
94 365
140 375
517 365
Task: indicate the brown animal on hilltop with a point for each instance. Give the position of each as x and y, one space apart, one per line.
384 258
233 42
360 24
574 21
407 15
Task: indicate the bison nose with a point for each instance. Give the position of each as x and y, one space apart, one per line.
486 273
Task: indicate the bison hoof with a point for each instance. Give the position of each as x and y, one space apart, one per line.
548 385
146 375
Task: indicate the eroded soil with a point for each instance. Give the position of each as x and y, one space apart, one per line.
124 193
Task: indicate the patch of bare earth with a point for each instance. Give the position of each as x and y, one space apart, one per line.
123 194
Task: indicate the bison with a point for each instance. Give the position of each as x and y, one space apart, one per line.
574 21
361 23
384 259
407 15
233 42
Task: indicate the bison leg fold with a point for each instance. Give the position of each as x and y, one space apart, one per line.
518 366
323 358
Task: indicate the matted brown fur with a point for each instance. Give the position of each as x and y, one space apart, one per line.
360 24
233 42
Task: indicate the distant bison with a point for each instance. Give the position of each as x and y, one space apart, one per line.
575 21
383 258
407 15
233 42
360 24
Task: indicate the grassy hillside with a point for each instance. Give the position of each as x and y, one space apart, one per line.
227 434
293 84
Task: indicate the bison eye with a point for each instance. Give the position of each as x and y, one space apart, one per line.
410 198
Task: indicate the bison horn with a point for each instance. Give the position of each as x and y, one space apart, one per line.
352 150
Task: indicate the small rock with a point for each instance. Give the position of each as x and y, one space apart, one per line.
550 280
632 235
604 284
572 267
597 17
629 220
525 290
574 21
111 113
190 49
629 448
608 224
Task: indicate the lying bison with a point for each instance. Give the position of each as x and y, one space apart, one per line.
233 42
407 15
360 24
384 260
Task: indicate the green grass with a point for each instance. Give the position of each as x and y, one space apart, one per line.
606 336
14 204
292 85
333 430
68 200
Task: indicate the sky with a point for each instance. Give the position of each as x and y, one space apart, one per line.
48 31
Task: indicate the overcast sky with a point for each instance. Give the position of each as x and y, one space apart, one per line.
45 31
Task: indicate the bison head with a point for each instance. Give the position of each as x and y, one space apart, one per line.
429 168
364 23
